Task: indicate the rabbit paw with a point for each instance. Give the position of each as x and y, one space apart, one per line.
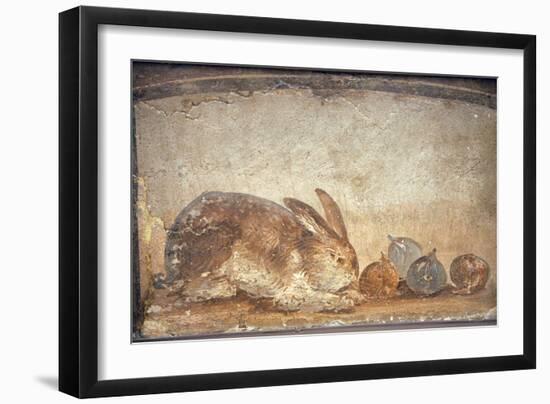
355 295
313 302
335 304
343 304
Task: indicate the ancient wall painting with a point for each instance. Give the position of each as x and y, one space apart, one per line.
271 200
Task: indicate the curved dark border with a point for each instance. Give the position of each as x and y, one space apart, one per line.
251 78
78 201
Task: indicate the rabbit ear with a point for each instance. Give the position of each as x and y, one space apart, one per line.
309 217
332 213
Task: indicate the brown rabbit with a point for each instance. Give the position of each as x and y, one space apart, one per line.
224 242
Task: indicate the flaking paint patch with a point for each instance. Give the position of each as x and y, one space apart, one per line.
152 235
148 221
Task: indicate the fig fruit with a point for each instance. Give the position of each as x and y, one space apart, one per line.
426 275
469 273
379 279
403 251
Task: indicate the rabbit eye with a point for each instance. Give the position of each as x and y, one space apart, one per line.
332 255
340 260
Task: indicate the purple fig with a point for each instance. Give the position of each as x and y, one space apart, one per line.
426 275
403 251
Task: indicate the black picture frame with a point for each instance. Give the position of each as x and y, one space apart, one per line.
78 201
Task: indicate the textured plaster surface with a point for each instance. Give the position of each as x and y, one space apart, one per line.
396 163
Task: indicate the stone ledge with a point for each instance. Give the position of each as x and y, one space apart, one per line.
169 318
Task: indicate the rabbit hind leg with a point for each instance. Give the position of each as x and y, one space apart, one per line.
208 286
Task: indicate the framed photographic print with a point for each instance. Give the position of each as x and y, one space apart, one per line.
231 188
